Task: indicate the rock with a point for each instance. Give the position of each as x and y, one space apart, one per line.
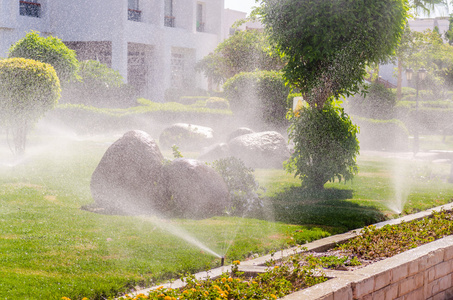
128 177
238 132
267 149
214 152
186 136
197 191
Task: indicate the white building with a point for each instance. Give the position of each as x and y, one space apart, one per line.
154 44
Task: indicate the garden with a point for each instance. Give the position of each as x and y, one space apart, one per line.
60 117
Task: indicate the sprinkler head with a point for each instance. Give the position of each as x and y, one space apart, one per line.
222 261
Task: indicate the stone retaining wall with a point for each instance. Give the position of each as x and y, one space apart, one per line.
425 272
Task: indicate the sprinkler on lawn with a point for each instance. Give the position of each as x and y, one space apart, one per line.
222 261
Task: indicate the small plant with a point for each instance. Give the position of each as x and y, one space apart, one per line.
176 152
241 184
334 262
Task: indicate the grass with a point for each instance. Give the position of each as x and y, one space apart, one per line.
383 183
51 248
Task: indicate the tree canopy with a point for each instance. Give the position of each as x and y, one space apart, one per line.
244 51
328 44
49 50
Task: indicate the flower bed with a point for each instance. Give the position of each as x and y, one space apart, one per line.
425 270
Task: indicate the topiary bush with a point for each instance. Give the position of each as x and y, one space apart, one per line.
28 89
325 145
259 96
100 86
49 50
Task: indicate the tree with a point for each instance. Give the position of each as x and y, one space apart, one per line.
245 51
28 89
428 50
49 50
328 44
426 6
449 33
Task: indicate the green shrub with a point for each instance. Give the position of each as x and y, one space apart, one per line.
431 117
378 103
260 96
325 146
405 91
49 50
241 184
89 119
99 86
189 100
175 94
430 120
217 103
28 89
382 134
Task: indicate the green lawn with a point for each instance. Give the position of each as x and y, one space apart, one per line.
50 248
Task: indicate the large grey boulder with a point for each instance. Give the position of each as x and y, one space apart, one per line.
195 189
186 136
128 179
267 149
238 132
215 152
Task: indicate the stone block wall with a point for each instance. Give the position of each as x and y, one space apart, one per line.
425 272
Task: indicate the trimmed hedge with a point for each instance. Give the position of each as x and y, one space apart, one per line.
217 103
149 116
260 97
175 94
432 117
382 134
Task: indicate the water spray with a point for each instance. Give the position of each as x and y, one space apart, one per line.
222 261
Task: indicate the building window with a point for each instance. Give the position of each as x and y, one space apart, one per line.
177 70
134 13
169 20
31 8
200 23
137 70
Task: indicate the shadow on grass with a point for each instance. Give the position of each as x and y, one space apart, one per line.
329 207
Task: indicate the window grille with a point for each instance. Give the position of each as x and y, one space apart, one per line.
31 8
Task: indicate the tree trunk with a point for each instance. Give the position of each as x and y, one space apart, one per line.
399 82
19 137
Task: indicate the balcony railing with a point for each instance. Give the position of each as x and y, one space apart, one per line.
134 15
30 9
169 21
200 26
